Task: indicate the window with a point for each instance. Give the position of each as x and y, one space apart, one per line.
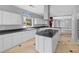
27 21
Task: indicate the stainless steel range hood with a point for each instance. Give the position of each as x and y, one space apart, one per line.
46 12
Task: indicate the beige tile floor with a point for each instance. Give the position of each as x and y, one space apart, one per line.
65 45
26 47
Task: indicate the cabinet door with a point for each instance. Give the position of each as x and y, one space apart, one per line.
16 19
7 42
6 18
13 18
1 18
39 44
25 36
54 45
19 19
31 34
16 38
47 45
55 40
36 43
1 43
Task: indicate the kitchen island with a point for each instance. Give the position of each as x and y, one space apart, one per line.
47 40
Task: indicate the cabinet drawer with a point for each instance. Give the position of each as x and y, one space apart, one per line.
47 45
7 42
1 43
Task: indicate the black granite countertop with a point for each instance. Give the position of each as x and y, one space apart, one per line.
47 32
2 32
40 27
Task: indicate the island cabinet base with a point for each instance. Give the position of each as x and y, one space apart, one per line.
46 44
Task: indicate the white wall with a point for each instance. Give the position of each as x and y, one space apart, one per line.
65 22
38 21
62 12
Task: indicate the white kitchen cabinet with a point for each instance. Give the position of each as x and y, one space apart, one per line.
24 36
17 38
39 44
7 42
6 18
43 44
14 39
19 19
20 37
16 19
0 17
47 44
31 34
1 43
11 18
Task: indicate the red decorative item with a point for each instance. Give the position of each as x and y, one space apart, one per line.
50 21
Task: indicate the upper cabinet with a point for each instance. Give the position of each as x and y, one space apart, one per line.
19 19
0 17
8 18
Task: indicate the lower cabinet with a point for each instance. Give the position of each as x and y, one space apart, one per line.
46 44
31 34
17 38
5 42
8 41
1 43
43 44
39 44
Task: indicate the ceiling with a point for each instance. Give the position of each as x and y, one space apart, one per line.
55 10
61 10
38 9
